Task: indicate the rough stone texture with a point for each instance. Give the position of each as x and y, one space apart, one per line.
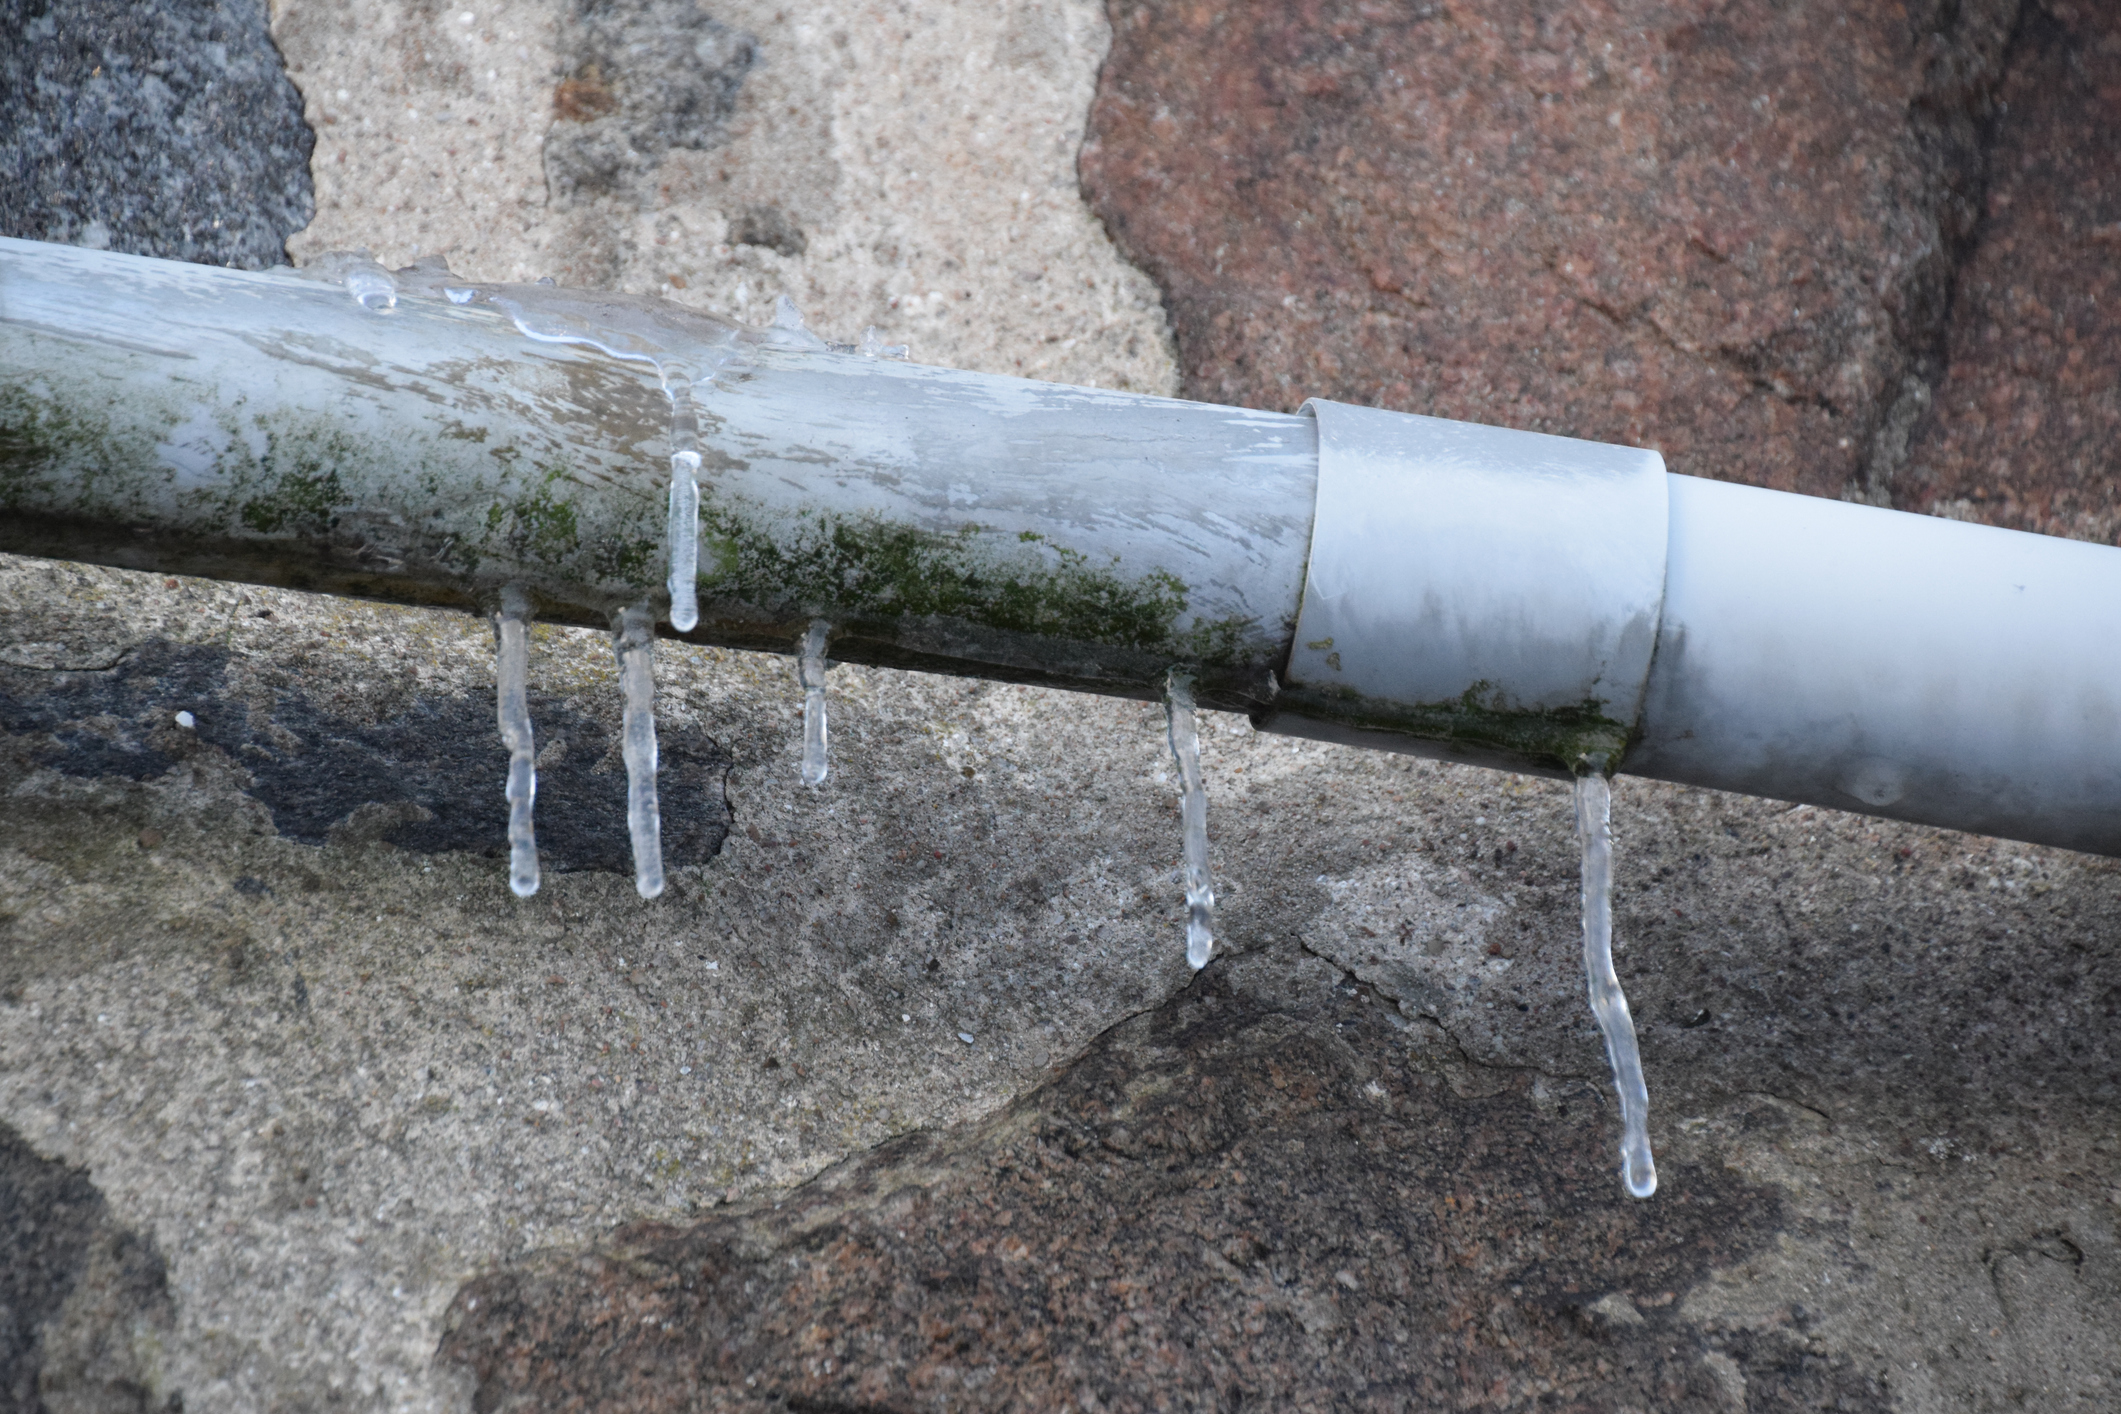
1275 1192
906 165
2026 430
167 129
289 1067
332 1078
1725 231
1237 1202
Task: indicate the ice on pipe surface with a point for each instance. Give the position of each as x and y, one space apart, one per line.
512 629
873 346
810 672
1594 830
1193 816
633 638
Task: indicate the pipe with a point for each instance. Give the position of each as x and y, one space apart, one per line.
380 440
1473 593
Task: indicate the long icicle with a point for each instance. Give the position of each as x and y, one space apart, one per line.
633 637
512 628
684 528
1193 814
810 672
1594 829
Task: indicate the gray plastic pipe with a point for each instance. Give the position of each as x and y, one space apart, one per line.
1465 592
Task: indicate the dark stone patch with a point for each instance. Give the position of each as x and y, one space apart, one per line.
428 779
642 77
73 1290
47 1214
771 227
168 129
1221 1206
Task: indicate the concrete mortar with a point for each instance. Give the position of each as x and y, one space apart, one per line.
320 1086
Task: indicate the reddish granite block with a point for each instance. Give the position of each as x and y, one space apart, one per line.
1725 231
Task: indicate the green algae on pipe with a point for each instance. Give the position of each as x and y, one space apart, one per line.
274 428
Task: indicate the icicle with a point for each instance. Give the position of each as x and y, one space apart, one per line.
1594 829
810 672
684 531
1193 813
513 629
633 637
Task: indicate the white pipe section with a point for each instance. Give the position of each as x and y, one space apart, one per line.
1533 601
1894 664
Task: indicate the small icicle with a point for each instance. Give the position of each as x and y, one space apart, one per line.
513 629
1594 829
633 637
810 672
1193 814
684 530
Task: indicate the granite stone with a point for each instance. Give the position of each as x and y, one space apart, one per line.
1728 232
166 129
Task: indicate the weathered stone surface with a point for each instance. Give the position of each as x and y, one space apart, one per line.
908 165
308 1044
1274 1192
1228 1203
1725 231
166 129
2026 428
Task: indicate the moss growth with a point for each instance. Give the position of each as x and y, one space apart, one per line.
547 524
1555 738
876 569
38 435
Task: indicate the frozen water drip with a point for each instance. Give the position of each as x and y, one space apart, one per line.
810 672
1594 830
1193 814
684 530
512 629
633 638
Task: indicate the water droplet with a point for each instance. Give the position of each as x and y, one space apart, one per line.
372 288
